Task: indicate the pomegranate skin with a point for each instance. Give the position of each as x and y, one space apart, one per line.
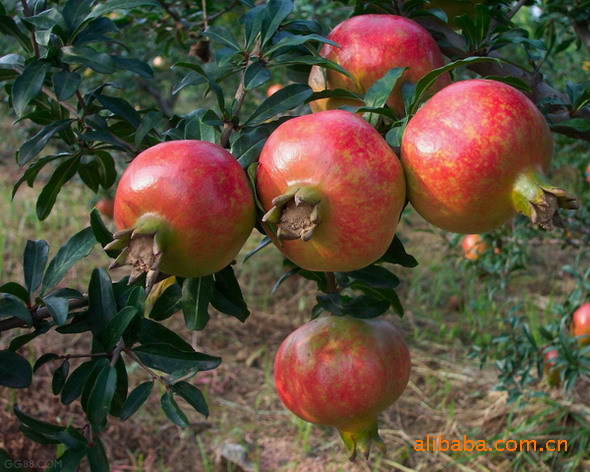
370 45
358 177
581 324
343 372
473 156
196 195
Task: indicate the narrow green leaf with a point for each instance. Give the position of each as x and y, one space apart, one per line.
296 40
58 309
116 327
41 427
15 289
276 12
97 457
167 304
193 396
113 5
33 146
10 306
74 385
285 99
44 359
27 85
396 254
265 241
380 91
101 395
19 341
68 461
75 249
34 261
173 411
223 36
196 295
76 11
255 75
15 371
375 276
60 375
148 122
87 56
120 107
167 358
136 398
64 172
65 84
102 306
133 65
9 27
253 24
227 295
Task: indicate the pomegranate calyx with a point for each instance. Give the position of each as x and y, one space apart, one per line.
362 439
540 202
296 213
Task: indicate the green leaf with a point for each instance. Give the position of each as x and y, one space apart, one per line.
15 289
196 295
58 309
213 85
253 24
136 398
375 276
74 385
102 306
94 31
167 304
265 241
223 36
9 27
68 461
120 107
396 254
75 249
193 396
285 99
366 306
173 411
27 85
10 306
87 56
167 358
64 172
33 146
113 5
39 426
12 62
380 91
513 81
65 84
296 40
19 341
101 395
276 12
116 327
312 60
255 75
227 295
152 332
97 457
44 359
121 388
15 371
579 124
133 65
248 146
60 375
148 122
76 11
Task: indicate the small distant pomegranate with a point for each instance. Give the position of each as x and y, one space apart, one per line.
343 372
587 174
272 89
184 208
551 372
473 246
106 207
333 191
581 324
475 154
369 46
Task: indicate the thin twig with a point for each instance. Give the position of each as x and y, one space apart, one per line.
332 287
228 127
117 352
39 314
515 9
134 356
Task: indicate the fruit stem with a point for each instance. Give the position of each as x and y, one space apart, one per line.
361 438
538 200
297 213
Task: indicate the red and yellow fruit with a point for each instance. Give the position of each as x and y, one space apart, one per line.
581 324
550 371
333 190
272 89
475 154
188 207
473 246
106 207
370 45
343 372
587 174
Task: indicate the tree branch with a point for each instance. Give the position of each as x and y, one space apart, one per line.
583 33
40 314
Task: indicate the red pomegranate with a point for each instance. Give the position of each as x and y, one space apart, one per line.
581 324
186 205
370 45
333 189
106 207
343 372
475 154
473 246
550 371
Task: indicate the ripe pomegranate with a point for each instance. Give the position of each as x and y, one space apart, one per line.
274 88
370 45
588 174
474 155
473 246
106 207
581 324
185 206
333 189
551 372
342 371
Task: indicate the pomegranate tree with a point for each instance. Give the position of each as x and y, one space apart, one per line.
184 208
581 324
333 191
369 46
475 154
343 372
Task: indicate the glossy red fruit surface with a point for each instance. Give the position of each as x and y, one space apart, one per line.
196 197
473 246
475 154
342 371
370 45
343 173
581 324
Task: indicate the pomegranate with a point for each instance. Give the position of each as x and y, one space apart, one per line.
342 371
587 174
182 207
272 89
370 45
333 189
581 324
106 207
551 372
474 155
473 246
